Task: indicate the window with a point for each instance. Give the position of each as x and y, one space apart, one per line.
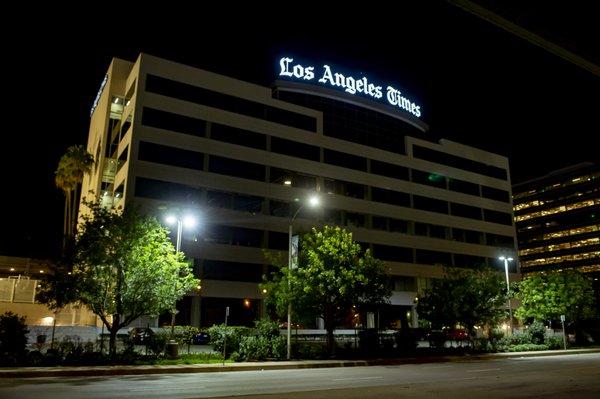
469 261
234 167
230 235
464 187
354 219
497 217
345 188
279 208
430 204
237 136
465 211
398 226
232 271
280 176
295 149
390 197
391 253
429 179
497 240
345 160
389 170
403 283
495 194
458 162
278 241
428 257
167 191
170 156
199 95
173 122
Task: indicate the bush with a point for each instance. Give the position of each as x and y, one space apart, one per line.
536 332
234 335
554 342
266 328
13 337
527 347
184 335
255 348
158 341
279 348
307 350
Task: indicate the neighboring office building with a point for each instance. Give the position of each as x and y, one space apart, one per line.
19 281
236 154
558 220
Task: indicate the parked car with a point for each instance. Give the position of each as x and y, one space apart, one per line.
202 338
141 335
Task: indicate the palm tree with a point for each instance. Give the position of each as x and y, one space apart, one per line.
73 165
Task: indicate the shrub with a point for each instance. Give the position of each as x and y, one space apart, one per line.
266 328
537 332
527 347
307 350
184 335
554 342
255 348
279 348
158 341
13 337
234 335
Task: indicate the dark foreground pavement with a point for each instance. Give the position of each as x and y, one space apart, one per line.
559 376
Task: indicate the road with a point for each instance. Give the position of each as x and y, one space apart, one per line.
564 376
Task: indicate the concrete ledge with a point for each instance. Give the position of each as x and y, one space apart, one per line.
95 371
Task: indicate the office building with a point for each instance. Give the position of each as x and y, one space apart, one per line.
242 157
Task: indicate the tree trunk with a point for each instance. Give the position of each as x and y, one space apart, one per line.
53 330
74 211
114 328
65 219
329 327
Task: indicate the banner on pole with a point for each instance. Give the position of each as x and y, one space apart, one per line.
295 240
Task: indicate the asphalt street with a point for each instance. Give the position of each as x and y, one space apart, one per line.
563 376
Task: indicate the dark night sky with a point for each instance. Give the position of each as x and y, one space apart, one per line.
478 84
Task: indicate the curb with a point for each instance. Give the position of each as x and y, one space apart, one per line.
97 371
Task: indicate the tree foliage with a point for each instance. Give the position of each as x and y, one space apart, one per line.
73 165
546 296
126 267
466 297
333 274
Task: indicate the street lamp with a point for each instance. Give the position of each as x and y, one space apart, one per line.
313 201
189 222
506 260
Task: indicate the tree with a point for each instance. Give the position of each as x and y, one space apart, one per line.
58 289
466 297
333 274
125 266
13 337
73 165
546 296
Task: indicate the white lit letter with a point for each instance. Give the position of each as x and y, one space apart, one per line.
298 71
378 92
391 95
327 76
309 73
350 85
284 63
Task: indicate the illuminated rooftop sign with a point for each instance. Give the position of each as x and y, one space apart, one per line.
95 104
350 84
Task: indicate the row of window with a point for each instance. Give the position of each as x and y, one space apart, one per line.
566 233
559 246
183 124
558 259
548 201
231 167
576 180
150 188
199 95
558 209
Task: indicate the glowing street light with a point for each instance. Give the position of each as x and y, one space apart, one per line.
506 260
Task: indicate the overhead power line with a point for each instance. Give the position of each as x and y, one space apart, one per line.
531 37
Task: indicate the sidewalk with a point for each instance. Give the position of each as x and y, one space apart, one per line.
96 371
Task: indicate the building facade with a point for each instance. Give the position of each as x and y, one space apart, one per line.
242 158
558 220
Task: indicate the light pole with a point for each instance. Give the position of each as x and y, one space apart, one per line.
313 202
189 222
506 260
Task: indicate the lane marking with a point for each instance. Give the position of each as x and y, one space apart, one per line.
482 370
357 379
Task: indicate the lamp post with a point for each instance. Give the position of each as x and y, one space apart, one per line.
506 260
189 222
313 202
